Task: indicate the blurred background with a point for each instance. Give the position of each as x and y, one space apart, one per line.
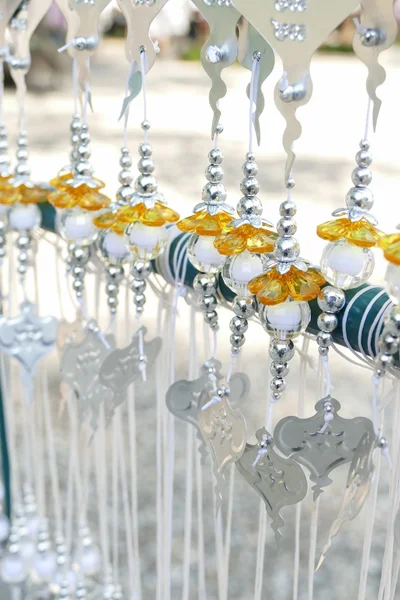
333 123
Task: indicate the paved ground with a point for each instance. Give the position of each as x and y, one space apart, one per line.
178 109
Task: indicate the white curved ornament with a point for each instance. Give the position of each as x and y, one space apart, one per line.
318 445
220 50
357 486
295 30
375 33
279 481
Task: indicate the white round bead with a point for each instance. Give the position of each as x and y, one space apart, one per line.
238 270
45 565
113 248
203 255
287 320
28 549
90 560
147 242
25 217
13 568
77 226
345 265
392 279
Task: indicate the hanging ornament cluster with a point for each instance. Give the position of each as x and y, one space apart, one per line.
116 243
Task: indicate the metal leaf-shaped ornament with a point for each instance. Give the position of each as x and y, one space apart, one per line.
318 445
139 17
220 50
251 42
122 367
80 368
183 396
28 338
294 29
279 481
376 33
357 486
223 428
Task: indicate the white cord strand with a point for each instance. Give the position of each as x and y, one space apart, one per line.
126 115
75 85
143 69
255 72
86 97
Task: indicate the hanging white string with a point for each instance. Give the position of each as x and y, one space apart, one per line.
115 501
143 69
75 85
228 530
102 488
313 547
255 73
86 95
126 115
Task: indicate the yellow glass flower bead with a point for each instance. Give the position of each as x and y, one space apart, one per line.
31 195
390 244
273 288
360 233
245 237
59 181
83 196
203 223
105 220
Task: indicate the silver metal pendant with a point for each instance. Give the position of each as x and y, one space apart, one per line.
279 481
80 368
28 338
357 486
295 30
318 444
121 367
222 427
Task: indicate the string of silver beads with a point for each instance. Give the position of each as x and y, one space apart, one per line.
331 300
389 342
24 244
78 258
205 284
359 199
125 192
76 127
22 169
82 168
244 308
4 156
140 271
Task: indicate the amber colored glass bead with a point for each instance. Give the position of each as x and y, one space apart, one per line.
360 233
390 244
245 237
273 288
105 220
60 180
23 194
203 223
83 196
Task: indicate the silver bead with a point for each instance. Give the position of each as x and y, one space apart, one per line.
244 307
23 170
83 153
219 129
238 325
249 206
383 361
277 384
392 322
214 173
112 289
23 242
77 286
125 161
364 158
125 194
76 125
146 165
145 125
287 209
250 168
361 176
22 155
250 156
364 145
237 340
214 192
146 184
83 169
208 303
286 249
78 272
138 286
115 273
281 351
383 443
80 255
141 269
249 186
145 150
359 197
324 339
388 343
323 350
215 156
125 177
205 283
211 317
279 369
286 227
327 322
139 299
331 299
